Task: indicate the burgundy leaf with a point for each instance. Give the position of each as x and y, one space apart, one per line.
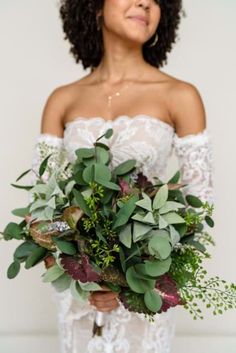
167 289
143 181
125 188
79 269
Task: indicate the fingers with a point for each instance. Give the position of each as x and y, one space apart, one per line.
104 301
105 306
103 297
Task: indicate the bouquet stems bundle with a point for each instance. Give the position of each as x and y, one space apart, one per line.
112 226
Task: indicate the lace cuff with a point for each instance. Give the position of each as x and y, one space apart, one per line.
194 152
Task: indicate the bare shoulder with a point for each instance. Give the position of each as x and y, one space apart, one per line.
54 110
186 107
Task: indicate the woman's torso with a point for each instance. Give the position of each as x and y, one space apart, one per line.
144 132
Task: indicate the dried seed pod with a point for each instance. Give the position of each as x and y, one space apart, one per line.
42 236
71 215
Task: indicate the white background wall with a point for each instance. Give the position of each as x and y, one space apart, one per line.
34 60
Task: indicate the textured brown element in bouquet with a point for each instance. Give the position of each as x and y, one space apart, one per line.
113 275
42 238
72 215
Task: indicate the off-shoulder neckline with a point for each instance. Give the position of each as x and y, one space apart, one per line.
130 119
120 118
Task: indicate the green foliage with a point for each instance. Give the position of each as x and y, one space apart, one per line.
153 300
43 165
137 282
125 167
193 201
52 273
35 257
103 253
13 269
129 231
12 231
160 197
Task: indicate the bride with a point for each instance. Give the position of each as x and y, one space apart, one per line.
124 43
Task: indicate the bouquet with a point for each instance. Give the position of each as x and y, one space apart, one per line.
95 225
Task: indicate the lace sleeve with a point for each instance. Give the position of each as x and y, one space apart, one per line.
45 145
195 156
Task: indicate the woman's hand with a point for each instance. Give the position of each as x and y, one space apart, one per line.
105 300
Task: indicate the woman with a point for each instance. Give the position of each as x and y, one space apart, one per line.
124 42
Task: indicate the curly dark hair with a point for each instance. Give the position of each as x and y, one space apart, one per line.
80 28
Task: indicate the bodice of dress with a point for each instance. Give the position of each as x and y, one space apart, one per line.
151 142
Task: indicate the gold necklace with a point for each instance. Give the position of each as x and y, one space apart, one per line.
110 96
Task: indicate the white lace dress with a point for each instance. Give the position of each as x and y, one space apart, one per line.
150 141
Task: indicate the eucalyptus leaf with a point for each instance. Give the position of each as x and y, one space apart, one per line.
209 221
100 144
159 247
193 201
108 184
137 284
153 300
125 235
101 172
12 230
24 250
171 206
77 292
82 203
88 174
138 217
122 259
69 187
175 178
149 218
62 283
20 212
52 273
160 197
65 246
139 230
13 269
162 222
36 256
145 203
84 153
157 267
108 133
124 167
173 218
43 165
52 202
102 155
174 234
90 286
125 212
37 204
